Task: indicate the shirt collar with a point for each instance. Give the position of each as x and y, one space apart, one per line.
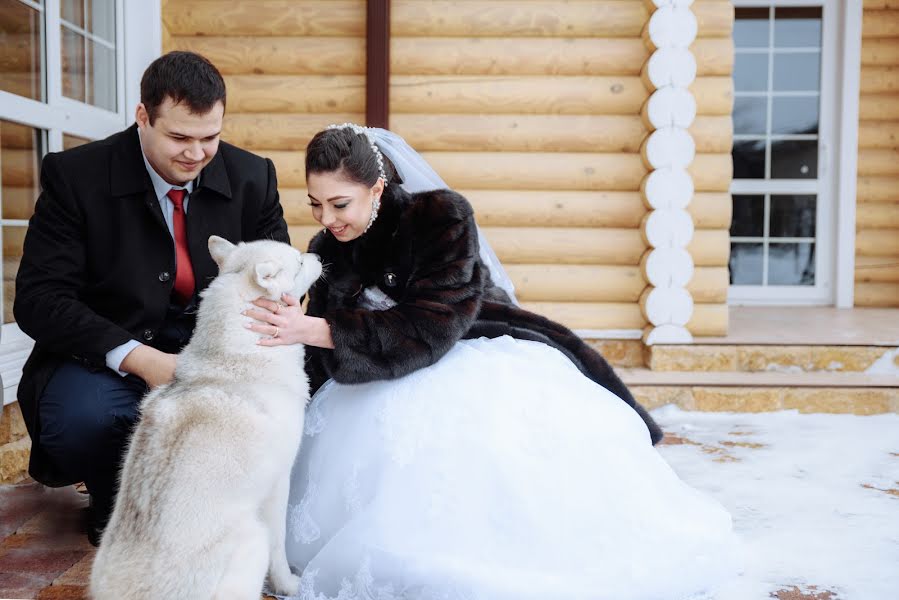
160 185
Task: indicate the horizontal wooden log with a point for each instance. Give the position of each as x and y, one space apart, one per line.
521 133
21 84
21 53
19 19
18 202
570 246
877 216
709 285
713 134
880 4
13 239
879 294
17 136
280 131
711 210
344 18
296 207
300 235
879 80
18 168
279 55
878 189
296 93
879 107
591 315
518 56
714 56
576 283
877 242
9 297
881 53
529 208
11 267
709 320
711 172
878 134
880 24
884 269
520 94
714 95
539 171
710 247
715 18
878 161
447 18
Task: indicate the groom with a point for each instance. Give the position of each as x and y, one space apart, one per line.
114 259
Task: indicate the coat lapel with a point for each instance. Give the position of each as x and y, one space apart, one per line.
128 174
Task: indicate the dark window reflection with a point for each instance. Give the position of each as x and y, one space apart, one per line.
794 115
749 216
791 264
751 72
750 115
797 72
751 27
793 216
797 26
794 159
749 159
746 263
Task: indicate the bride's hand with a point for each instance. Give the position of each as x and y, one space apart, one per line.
286 324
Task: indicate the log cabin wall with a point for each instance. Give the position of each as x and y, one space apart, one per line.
877 216
531 109
291 68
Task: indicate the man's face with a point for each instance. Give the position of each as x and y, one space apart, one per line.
179 143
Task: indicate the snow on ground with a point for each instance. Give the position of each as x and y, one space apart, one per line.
814 497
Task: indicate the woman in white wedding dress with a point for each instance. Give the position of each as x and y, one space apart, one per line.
459 446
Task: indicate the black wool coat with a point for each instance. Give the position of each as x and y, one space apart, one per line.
422 252
99 262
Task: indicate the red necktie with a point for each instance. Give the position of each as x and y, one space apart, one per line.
184 271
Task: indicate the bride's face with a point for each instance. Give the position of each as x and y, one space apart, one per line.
341 205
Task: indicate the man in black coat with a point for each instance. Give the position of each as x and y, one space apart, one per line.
114 259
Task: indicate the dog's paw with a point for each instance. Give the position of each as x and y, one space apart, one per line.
287 585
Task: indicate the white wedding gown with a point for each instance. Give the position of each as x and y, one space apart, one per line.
500 472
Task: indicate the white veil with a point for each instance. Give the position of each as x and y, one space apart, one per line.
418 176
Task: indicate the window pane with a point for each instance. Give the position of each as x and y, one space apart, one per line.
793 216
72 141
751 28
102 19
794 159
797 72
794 115
21 44
751 72
749 216
21 149
72 11
797 26
745 263
749 159
750 115
73 61
101 90
791 264
13 238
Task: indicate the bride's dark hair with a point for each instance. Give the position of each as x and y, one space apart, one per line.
342 149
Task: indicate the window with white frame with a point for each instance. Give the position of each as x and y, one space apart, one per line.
62 84
781 243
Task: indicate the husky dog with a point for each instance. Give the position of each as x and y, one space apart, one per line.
201 508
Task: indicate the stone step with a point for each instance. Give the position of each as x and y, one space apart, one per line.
873 360
854 393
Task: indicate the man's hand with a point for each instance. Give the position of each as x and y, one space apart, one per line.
152 365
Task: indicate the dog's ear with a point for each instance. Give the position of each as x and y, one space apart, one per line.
267 277
220 248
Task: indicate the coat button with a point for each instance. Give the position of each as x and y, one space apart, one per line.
164 276
148 334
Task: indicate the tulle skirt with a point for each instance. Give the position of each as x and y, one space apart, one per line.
501 472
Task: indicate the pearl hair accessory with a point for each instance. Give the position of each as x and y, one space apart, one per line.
375 202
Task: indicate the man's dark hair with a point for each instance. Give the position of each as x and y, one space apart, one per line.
184 77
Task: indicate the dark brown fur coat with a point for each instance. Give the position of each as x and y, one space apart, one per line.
422 252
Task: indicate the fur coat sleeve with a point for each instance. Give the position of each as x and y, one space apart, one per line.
438 296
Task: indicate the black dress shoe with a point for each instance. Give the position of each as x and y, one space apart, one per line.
98 514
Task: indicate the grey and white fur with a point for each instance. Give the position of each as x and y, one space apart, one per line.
201 508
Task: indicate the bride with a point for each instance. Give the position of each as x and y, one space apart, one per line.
459 446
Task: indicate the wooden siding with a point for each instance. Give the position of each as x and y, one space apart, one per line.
877 216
